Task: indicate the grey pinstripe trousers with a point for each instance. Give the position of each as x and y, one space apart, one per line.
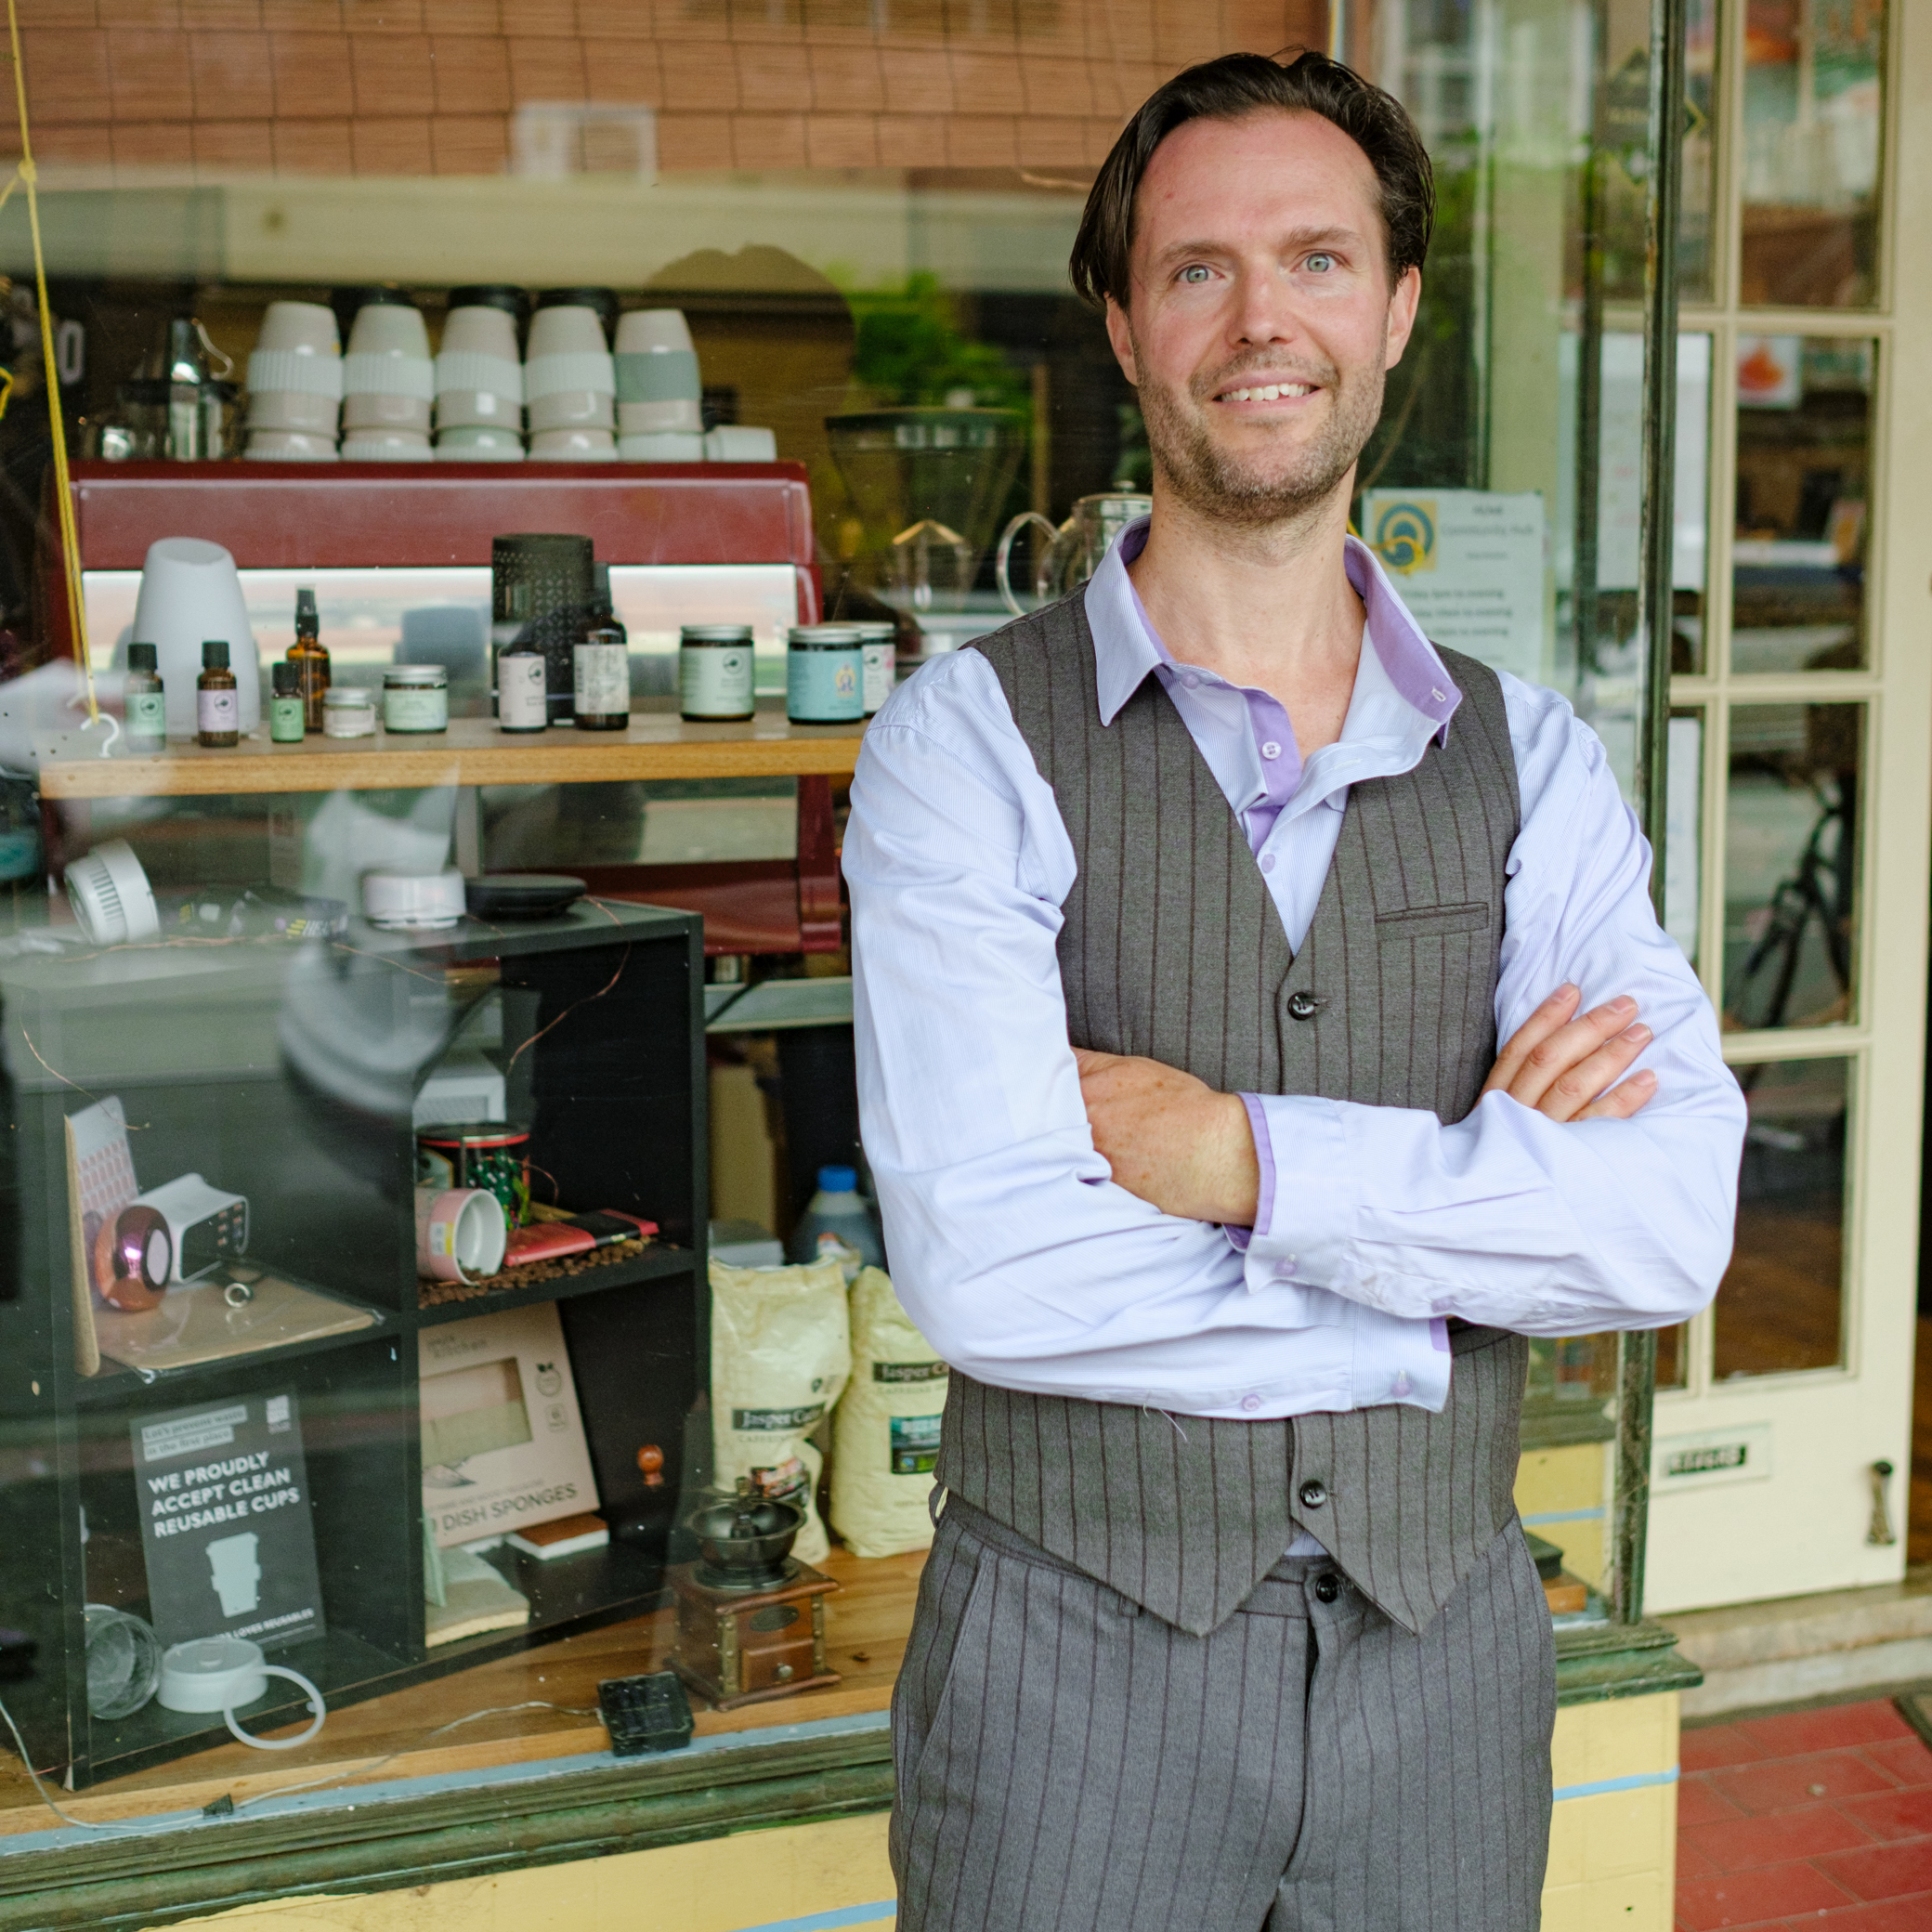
1066 1762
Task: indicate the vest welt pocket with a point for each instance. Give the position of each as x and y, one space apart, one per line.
1432 922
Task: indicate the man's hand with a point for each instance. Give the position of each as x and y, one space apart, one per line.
1566 1065
1189 1151
1171 1139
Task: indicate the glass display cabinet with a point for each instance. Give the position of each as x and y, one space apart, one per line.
235 1404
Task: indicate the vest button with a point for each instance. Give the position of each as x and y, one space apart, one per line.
1327 1587
1303 1006
1314 1493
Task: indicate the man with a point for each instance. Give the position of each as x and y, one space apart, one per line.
1188 913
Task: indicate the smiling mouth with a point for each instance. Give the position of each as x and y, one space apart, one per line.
1268 392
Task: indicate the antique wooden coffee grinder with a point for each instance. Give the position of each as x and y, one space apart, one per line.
750 1617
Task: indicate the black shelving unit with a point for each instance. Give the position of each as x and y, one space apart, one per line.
287 1074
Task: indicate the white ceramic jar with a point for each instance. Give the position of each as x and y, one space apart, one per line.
569 377
388 379
658 390
294 371
478 375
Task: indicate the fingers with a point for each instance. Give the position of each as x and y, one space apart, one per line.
1620 1103
1545 1021
1582 1084
1559 1053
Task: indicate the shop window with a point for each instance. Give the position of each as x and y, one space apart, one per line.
1803 502
1809 155
1790 864
1781 1307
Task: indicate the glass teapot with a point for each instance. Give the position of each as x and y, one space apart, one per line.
1072 553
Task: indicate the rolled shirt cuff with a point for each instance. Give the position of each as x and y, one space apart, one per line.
1309 1201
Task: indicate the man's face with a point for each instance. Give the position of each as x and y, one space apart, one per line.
1261 323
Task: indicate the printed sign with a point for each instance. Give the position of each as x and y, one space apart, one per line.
1471 565
1739 1454
226 1522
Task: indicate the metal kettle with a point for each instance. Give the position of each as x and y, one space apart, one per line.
1072 553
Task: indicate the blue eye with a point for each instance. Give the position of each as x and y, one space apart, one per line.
1320 264
1195 274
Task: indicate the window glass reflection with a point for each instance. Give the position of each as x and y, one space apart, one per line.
1781 1307
1791 864
1803 447
1810 156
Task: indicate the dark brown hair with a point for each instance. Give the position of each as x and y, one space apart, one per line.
1229 89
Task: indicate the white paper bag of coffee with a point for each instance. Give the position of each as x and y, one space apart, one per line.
780 1353
885 1433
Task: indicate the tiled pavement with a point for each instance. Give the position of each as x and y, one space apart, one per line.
1818 1819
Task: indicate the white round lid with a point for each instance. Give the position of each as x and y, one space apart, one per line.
210 1674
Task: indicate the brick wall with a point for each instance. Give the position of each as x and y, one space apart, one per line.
221 87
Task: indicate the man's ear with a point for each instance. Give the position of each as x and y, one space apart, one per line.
1120 333
1402 305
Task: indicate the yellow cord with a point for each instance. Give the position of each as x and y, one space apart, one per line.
63 489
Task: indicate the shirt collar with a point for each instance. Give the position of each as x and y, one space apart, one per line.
1126 647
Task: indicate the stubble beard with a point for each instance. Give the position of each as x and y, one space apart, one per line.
1259 488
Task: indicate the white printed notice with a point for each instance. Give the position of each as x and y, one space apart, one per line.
1471 565
228 1525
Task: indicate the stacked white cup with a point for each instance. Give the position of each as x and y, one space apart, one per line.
295 385
480 379
388 383
658 390
572 385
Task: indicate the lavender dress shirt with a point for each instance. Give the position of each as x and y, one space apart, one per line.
1011 1246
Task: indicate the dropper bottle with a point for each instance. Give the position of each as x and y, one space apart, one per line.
307 654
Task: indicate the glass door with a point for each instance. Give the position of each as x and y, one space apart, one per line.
1780 1450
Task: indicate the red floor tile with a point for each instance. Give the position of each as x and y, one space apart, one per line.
1692 1863
1882 1870
1755 1897
1790 1784
1892 1814
1700 1802
1906 1758
1872 1721
1711 1747
1914 1914
1743 1844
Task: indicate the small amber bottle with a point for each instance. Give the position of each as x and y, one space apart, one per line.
308 655
217 701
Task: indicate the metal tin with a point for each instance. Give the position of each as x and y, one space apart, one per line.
348 710
825 668
481 1153
715 671
879 641
415 697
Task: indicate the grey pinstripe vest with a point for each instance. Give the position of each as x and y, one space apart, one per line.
1171 948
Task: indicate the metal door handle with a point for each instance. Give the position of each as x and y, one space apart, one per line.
1880 1532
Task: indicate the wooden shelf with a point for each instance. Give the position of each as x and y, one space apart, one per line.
473 751
865 1628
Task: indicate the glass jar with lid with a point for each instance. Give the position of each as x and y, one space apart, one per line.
415 697
348 710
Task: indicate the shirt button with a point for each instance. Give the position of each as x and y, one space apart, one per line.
1327 1587
1267 862
1191 682
1288 1264
1314 1493
1250 1402
1271 750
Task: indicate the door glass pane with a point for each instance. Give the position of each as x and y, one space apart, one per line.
1674 1356
1683 833
1781 1306
1804 445
1791 864
1813 85
1610 668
